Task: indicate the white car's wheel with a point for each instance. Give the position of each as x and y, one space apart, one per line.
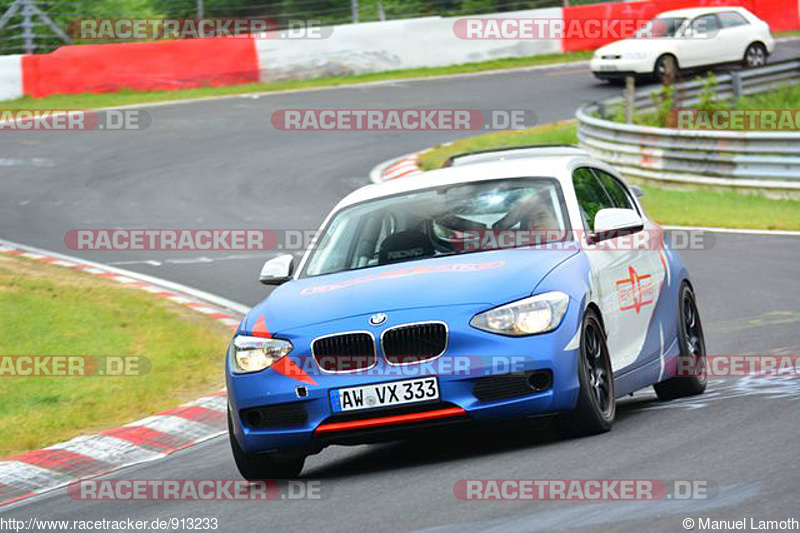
664 64
755 56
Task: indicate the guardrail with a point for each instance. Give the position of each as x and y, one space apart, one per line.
769 161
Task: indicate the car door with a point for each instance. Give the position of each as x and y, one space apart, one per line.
703 46
736 34
624 277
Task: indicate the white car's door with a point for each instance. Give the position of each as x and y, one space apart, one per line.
626 279
735 34
703 45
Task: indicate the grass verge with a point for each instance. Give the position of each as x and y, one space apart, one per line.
130 97
49 310
669 206
786 97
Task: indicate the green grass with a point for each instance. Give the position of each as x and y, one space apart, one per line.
720 209
130 97
555 133
48 310
783 98
669 206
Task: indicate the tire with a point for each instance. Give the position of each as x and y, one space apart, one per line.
692 344
255 467
755 56
662 65
597 406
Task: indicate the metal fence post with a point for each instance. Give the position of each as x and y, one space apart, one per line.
630 97
736 85
27 26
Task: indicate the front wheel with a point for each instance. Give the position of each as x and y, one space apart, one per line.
665 66
693 352
260 466
596 401
755 56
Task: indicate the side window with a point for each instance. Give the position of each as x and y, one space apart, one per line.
615 190
706 25
731 19
592 197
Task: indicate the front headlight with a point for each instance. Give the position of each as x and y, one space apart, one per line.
536 314
253 354
634 55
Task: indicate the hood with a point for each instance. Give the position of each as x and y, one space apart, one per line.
490 277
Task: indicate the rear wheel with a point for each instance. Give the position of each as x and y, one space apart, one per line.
258 466
596 402
755 56
693 352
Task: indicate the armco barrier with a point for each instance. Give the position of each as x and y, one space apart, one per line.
767 161
141 66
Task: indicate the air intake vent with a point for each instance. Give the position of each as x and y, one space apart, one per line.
496 388
414 343
348 352
287 414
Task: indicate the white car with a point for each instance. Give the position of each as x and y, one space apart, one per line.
687 39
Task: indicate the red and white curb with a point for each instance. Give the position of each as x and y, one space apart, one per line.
149 439
400 167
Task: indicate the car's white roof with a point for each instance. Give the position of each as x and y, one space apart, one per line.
555 166
696 11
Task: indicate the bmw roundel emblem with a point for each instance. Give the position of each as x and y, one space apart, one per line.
377 319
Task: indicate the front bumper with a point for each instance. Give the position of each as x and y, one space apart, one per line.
304 418
619 68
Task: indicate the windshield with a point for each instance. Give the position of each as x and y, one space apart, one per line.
435 222
660 27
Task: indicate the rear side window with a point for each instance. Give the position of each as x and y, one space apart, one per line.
615 190
731 19
592 197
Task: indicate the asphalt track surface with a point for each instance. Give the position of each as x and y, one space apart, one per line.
221 164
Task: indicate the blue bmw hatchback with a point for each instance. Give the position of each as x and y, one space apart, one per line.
511 284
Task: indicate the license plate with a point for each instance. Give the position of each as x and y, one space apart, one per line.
608 68
385 394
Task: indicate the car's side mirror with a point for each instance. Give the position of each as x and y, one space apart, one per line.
277 270
612 223
637 191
